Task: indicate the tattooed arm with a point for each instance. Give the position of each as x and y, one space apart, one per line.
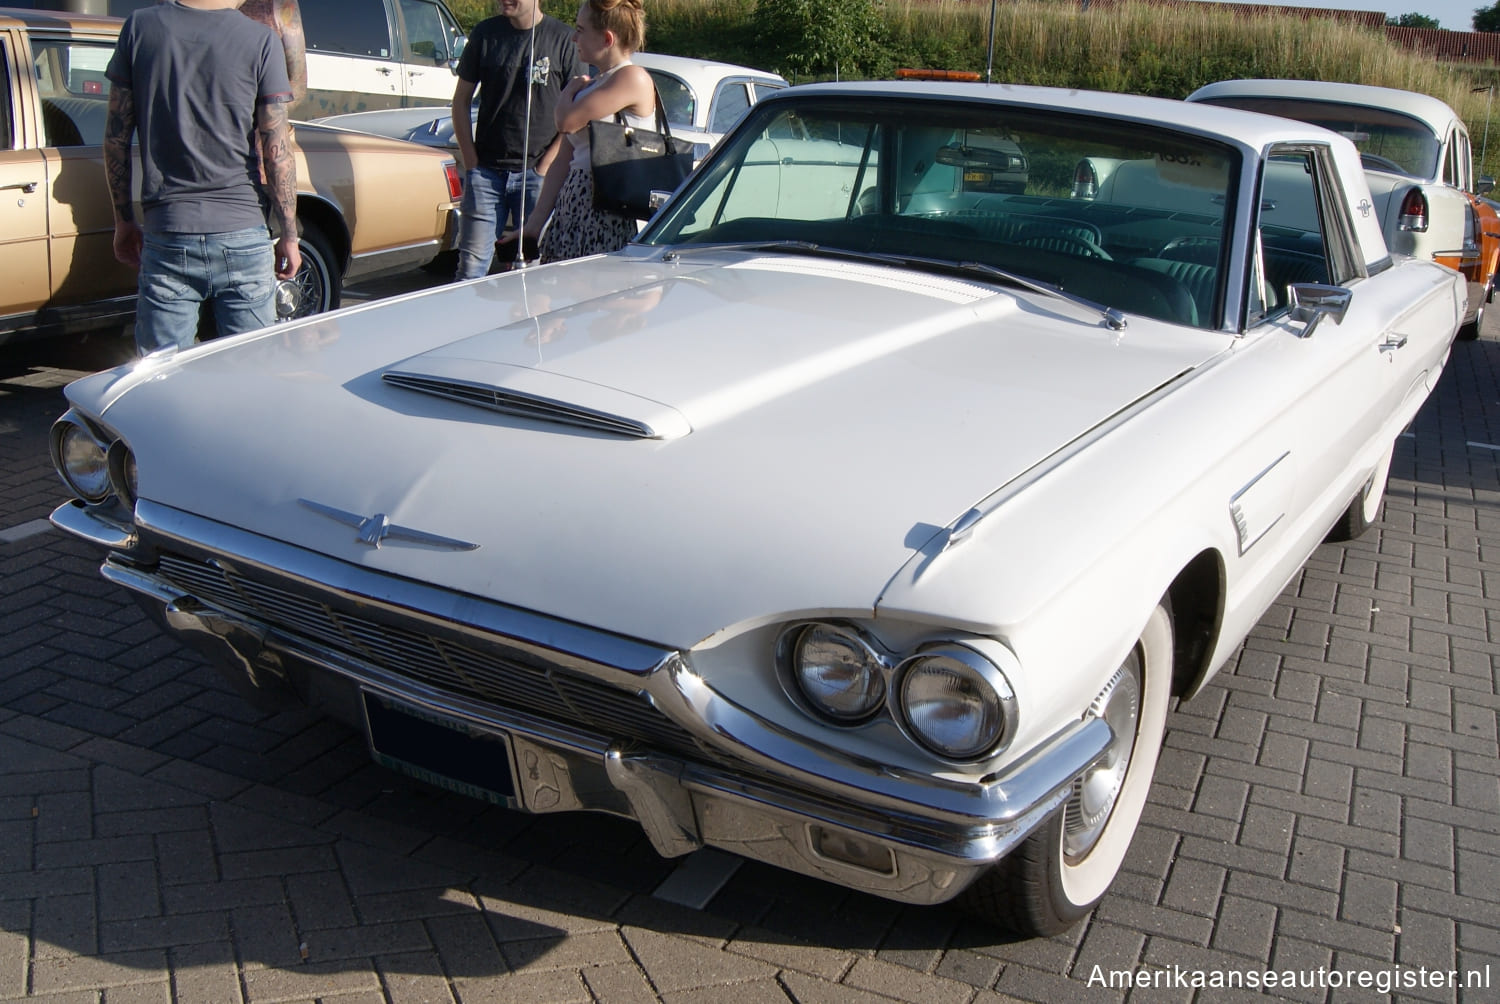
289 26
281 182
118 129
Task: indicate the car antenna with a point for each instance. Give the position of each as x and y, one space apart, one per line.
531 81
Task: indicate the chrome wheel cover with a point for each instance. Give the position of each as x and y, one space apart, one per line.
1098 788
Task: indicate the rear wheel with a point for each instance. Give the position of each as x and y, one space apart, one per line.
1470 331
1058 875
318 283
1364 510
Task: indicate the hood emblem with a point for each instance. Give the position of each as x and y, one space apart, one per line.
373 529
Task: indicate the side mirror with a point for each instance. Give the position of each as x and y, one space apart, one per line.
1311 302
1485 185
459 41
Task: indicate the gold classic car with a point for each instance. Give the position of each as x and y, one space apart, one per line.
365 204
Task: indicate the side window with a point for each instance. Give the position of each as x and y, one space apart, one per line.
1291 246
732 102
761 90
74 90
7 122
427 38
1465 164
353 27
676 97
1451 175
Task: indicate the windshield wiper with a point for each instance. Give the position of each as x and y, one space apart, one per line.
1111 317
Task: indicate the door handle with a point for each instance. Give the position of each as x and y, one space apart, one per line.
26 186
1392 343
383 69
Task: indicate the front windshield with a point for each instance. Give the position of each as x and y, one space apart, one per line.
1126 215
1387 140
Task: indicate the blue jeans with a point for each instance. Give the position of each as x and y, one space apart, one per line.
492 201
233 270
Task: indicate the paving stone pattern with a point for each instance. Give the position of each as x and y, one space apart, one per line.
1330 802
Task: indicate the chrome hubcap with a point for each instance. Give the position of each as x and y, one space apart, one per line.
1097 789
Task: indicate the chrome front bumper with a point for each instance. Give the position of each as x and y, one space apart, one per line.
910 838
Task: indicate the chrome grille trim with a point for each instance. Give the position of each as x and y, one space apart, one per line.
444 664
511 402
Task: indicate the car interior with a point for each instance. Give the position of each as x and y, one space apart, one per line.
1146 237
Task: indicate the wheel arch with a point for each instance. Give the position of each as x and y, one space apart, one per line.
326 217
1196 598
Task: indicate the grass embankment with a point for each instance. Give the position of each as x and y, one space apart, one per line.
1134 47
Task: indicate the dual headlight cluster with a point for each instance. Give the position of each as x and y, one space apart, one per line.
94 466
947 697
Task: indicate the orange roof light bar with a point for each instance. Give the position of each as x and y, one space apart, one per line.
909 74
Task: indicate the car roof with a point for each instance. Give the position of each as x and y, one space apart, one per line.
700 70
1425 108
1243 128
11 17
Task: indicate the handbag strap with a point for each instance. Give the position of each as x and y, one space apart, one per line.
662 126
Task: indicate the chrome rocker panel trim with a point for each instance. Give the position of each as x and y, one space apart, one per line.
936 836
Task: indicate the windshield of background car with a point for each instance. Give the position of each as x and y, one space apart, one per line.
977 183
1386 140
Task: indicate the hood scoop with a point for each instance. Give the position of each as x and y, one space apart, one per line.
526 392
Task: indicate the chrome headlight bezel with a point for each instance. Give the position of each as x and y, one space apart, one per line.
874 664
987 664
987 683
70 435
114 472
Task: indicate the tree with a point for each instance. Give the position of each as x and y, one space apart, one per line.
1487 18
820 36
1413 21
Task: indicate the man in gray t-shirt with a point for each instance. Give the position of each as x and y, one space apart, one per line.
203 87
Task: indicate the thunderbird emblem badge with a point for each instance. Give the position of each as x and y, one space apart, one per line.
373 529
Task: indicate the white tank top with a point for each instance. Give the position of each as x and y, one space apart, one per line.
580 139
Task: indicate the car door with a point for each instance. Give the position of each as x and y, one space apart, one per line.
1334 393
24 190
430 37
73 95
352 63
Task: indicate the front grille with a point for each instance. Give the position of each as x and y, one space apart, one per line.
505 681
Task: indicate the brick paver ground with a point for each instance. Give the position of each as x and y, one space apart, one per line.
1328 805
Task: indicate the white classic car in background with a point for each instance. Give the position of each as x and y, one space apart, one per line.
703 99
857 518
1418 161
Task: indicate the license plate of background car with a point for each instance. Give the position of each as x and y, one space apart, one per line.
443 752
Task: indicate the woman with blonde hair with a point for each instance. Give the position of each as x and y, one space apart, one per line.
608 33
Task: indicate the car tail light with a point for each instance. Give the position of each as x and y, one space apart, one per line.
455 181
1414 211
1085 181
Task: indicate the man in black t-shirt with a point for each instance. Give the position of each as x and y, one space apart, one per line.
520 49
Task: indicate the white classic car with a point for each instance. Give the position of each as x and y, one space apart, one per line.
702 99
856 518
1417 159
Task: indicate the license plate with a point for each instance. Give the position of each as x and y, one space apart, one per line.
977 177
441 751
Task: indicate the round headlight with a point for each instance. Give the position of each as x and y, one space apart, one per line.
81 459
955 703
837 673
122 473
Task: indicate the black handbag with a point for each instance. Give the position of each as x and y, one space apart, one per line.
629 164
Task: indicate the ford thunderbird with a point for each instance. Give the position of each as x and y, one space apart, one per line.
862 517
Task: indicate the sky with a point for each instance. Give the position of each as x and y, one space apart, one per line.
1455 15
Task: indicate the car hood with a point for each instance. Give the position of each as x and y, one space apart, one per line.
794 428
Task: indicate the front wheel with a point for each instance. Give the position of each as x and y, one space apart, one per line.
1062 871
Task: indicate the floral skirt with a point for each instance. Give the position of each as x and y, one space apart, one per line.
577 228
